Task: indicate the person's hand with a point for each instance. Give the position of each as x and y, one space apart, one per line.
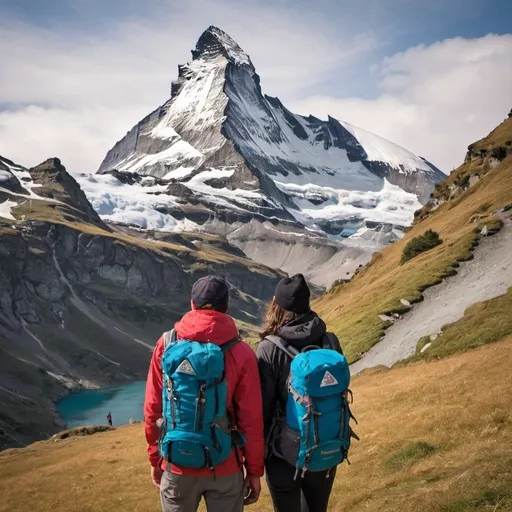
156 475
252 489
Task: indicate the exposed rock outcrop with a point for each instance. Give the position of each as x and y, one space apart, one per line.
82 306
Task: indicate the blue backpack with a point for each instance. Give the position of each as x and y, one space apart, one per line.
195 430
315 435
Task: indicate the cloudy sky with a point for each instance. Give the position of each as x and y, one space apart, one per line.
76 75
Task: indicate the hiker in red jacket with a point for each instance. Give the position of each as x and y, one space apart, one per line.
224 488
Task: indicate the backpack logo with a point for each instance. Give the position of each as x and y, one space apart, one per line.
328 380
186 367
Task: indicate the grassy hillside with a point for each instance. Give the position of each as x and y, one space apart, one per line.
352 309
429 443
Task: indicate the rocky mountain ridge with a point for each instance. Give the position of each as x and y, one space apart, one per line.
481 157
221 157
82 305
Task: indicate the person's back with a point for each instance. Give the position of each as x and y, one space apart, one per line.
290 328
223 487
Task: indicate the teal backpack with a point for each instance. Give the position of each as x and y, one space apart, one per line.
315 435
195 430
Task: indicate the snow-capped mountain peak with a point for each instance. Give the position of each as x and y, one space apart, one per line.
224 156
214 42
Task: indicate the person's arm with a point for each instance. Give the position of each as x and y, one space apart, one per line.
247 397
153 404
337 344
332 342
269 381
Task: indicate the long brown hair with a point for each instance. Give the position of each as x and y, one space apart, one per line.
275 319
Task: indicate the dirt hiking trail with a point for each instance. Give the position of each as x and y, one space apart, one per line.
486 276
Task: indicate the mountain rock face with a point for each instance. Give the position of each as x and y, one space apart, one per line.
82 305
221 157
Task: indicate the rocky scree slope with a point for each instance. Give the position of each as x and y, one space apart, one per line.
486 276
81 305
221 157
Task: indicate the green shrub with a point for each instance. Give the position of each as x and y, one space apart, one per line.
419 244
483 208
408 455
462 181
337 283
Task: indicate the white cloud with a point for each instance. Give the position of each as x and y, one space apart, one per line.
74 94
435 100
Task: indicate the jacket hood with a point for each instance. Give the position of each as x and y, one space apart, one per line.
207 326
307 329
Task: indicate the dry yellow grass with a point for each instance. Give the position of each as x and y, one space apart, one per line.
461 406
351 310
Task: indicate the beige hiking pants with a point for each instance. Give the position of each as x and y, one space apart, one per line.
183 493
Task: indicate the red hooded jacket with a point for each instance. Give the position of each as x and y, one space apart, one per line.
244 390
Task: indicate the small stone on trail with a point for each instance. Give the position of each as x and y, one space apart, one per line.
405 302
433 337
425 347
386 318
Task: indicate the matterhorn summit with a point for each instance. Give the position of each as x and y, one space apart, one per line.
220 157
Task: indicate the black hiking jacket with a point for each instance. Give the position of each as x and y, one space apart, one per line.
274 364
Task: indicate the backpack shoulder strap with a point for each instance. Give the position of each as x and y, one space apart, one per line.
283 345
169 337
226 347
331 341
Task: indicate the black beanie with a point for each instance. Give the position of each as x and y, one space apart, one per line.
292 294
211 290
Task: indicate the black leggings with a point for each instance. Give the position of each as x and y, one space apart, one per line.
286 492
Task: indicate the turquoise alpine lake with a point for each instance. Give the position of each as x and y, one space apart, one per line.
90 407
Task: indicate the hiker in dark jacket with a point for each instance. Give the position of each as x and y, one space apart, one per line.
290 318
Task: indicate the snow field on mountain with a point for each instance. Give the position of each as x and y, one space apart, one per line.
129 204
197 184
201 101
5 209
173 156
382 150
330 167
198 107
137 204
391 204
24 179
